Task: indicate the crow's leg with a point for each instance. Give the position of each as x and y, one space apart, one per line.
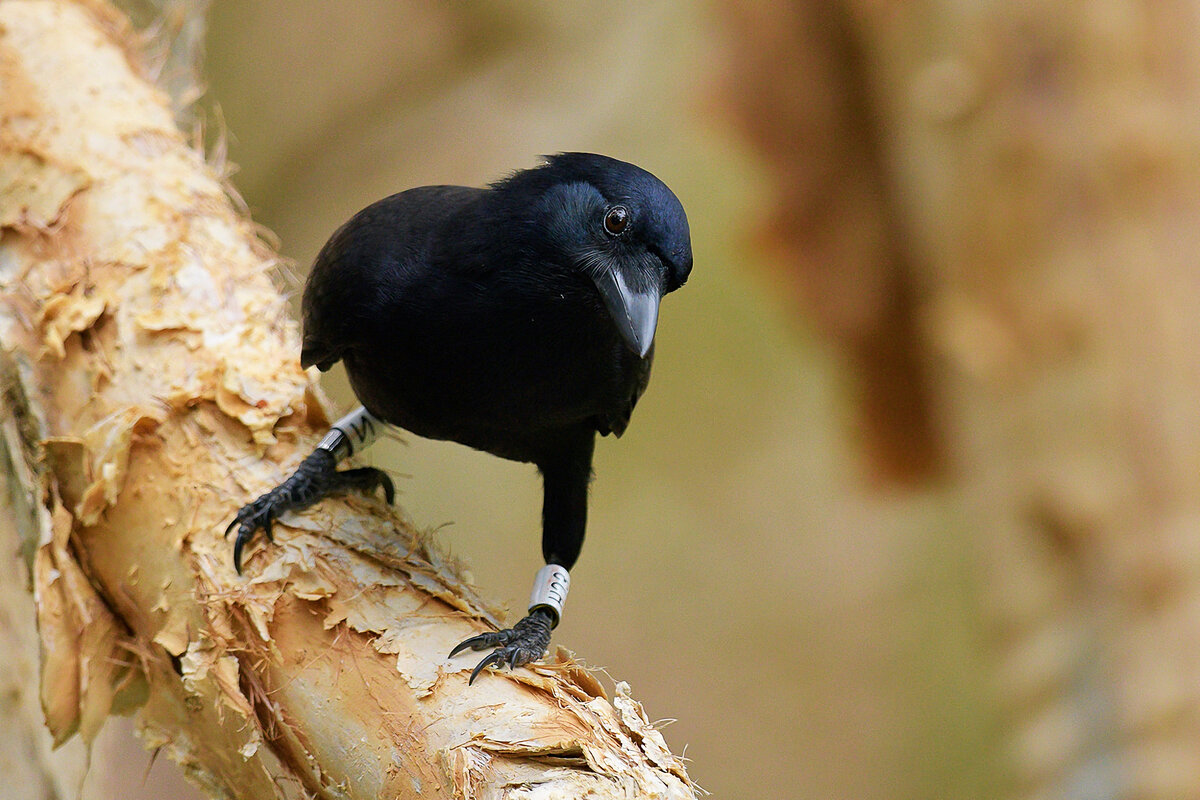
316 477
528 639
564 518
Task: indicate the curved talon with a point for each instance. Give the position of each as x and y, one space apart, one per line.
251 517
516 646
244 536
315 479
237 552
483 641
495 657
468 643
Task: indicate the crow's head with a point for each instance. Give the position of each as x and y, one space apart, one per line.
620 226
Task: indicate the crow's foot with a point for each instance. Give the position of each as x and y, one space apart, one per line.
316 478
516 646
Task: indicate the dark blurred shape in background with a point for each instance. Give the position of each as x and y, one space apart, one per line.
798 85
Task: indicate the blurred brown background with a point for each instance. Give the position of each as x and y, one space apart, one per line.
909 509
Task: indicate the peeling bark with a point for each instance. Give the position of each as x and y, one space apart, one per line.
151 385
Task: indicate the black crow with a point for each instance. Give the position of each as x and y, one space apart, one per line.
517 319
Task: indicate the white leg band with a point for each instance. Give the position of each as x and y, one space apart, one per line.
550 590
356 431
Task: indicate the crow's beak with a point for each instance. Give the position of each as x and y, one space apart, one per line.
633 307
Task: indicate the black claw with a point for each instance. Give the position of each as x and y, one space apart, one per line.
469 643
314 479
495 657
249 519
516 646
483 641
237 552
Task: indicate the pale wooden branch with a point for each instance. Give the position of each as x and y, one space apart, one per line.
151 385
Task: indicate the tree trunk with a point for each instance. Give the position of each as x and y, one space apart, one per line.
151 385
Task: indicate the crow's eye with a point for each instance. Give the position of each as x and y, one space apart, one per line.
616 220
